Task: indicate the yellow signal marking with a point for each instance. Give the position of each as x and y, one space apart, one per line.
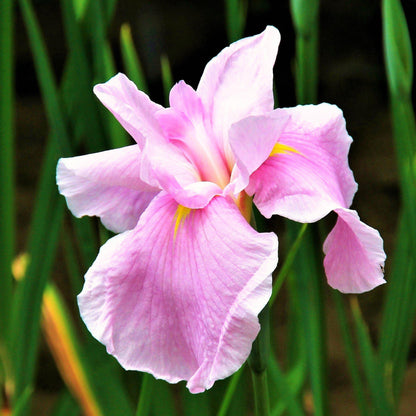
180 216
280 148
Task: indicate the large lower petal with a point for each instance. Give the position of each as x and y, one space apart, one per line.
179 295
238 82
106 185
310 176
354 255
131 107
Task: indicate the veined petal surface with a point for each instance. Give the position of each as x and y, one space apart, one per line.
107 185
252 140
180 298
132 108
354 255
238 82
306 183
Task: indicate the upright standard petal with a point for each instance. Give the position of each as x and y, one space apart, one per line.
354 255
239 82
252 140
307 176
131 107
179 295
107 185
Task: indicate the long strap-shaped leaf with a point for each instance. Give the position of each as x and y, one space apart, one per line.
6 179
400 306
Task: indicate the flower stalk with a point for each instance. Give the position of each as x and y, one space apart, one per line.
258 364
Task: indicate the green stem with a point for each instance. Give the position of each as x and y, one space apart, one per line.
229 393
287 265
143 406
261 393
258 364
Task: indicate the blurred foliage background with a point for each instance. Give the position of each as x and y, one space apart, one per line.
55 114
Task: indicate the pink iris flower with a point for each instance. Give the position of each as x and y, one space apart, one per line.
177 292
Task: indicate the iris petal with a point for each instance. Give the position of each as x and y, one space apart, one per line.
184 307
106 184
354 260
307 184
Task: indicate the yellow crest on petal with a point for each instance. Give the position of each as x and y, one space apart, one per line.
280 148
180 216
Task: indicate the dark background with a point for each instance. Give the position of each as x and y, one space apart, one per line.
351 75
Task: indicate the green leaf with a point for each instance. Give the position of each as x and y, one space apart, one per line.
146 394
288 263
45 227
286 388
236 15
7 222
382 402
353 367
397 47
65 406
131 59
306 289
104 68
305 19
230 391
46 78
167 78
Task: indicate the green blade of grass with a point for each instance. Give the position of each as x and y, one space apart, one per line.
165 403
7 222
81 105
400 305
131 59
46 78
305 18
167 78
287 390
236 15
288 263
104 67
353 367
382 402
65 406
307 289
230 391
80 8
146 394
398 48
46 223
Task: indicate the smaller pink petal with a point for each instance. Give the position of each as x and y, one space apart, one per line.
177 175
252 140
354 255
183 98
305 185
107 185
181 304
131 107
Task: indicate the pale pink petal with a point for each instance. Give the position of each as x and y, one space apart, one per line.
239 82
184 125
307 183
177 175
183 98
131 107
107 185
252 140
354 255
184 306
